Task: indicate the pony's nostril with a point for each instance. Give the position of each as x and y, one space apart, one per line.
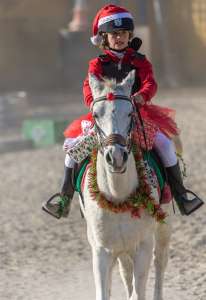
125 156
109 158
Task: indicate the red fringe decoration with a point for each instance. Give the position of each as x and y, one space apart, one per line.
162 117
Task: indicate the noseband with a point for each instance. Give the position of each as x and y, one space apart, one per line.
114 138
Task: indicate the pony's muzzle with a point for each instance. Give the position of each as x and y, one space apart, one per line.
116 157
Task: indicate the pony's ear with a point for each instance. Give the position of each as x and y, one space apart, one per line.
96 85
128 82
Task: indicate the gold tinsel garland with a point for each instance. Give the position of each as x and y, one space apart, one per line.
140 200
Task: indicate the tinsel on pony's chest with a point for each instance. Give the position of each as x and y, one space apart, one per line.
139 201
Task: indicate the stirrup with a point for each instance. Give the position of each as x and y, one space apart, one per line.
199 203
187 206
58 214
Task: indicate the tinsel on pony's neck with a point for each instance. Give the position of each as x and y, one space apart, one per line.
141 199
115 186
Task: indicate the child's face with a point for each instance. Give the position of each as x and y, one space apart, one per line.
118 40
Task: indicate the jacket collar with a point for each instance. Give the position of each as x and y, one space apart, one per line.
129 53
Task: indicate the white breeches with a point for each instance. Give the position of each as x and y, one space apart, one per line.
69 162
166 149
69 142
162 144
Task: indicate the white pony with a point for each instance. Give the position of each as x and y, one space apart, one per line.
117 236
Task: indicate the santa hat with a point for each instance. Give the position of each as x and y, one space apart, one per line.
110 18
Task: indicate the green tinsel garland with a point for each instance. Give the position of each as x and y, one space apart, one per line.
140 200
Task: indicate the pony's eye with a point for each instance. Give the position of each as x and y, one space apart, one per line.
95 116
130 114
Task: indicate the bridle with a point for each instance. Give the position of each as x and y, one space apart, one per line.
114 138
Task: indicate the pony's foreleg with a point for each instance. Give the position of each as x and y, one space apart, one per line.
102 268
142 262
162 239
126 272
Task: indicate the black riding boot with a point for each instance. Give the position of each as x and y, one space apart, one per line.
67 190
59 205
179 192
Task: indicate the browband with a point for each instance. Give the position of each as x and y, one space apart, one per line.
117 97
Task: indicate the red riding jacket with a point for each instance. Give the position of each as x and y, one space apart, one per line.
111 66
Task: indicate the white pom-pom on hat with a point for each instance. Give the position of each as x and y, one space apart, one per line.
96 39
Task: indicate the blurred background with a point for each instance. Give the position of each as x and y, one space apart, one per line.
34 54
44 52
45 47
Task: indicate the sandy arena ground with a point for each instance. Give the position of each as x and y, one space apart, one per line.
42 258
